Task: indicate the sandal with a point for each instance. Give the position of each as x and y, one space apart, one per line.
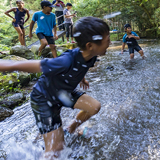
82 135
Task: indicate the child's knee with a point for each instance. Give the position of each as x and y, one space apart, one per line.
96 108
53 47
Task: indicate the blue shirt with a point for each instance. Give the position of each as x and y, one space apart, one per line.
130 41
62 73
45 22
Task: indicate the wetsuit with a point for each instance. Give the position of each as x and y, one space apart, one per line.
132 43
60 75
19 16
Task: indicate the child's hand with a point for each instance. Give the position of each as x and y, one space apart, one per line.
14 20
55 37
131 36
122 52
30 35
84 84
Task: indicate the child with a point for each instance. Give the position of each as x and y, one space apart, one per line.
61 75
46 22
18 21
130 38
69 22
59 7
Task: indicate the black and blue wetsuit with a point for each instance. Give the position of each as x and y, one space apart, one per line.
63 73
132 43
19 16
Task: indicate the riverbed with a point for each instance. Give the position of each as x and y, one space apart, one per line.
127 126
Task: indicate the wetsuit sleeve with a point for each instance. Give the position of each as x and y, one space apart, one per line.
35 17
134 34
55 66
124 39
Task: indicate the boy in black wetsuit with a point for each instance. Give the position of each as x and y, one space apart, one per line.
61 75
131 39
18 21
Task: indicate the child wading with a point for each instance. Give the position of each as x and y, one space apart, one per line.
46 21
61 75
18 20
131 39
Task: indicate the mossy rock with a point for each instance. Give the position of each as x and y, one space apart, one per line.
10 80
4 54
22 51
68 45
44 53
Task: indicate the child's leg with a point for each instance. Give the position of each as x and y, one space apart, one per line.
43 45
23 36
20 35
89 107
132 56
54 142
131 52
71 29
51 43
139 49
141 53
67 31
53 50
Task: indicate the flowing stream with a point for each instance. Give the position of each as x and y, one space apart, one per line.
127 126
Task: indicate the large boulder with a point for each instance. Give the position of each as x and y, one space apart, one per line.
12 101
22 51
4 54
5 112
68 45
45 51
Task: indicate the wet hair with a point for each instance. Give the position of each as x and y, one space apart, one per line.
127 25
89 29
68 4
19 1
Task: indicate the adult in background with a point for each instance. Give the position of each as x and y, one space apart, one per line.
18 21
46 21
69 22
59 7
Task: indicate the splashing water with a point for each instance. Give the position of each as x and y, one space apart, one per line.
111 15
127 126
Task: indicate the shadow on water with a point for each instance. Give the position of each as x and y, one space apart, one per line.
127 126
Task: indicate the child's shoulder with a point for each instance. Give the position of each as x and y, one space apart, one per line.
125 35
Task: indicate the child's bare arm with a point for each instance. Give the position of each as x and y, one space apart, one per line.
28 16
32 66
123 46
8 11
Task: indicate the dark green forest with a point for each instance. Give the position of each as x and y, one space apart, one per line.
143 15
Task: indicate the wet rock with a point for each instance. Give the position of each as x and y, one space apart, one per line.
9 80
68 46
4 54
22 51
5 112
12 101
45 51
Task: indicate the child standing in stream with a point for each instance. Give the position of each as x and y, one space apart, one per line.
57 85
131 39
18 21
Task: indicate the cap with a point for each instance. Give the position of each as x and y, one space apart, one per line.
127 25
46 4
